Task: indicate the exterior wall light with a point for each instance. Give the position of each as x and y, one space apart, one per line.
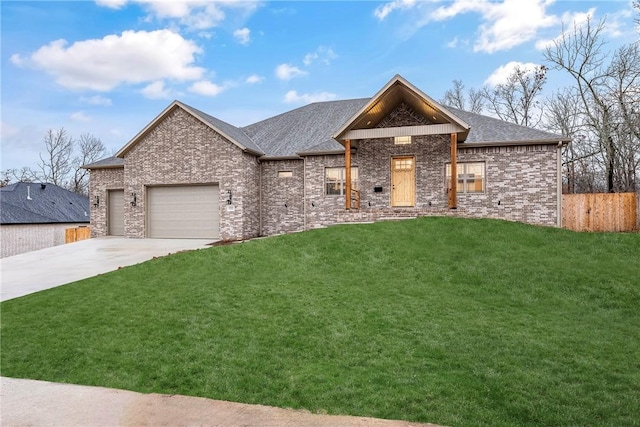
229 197
96 203
134 201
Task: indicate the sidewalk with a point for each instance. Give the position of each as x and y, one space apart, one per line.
40 403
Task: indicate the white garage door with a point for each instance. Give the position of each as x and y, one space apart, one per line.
183 212
116 213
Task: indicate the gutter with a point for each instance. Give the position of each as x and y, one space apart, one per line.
513 143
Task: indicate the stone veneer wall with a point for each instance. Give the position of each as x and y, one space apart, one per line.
182 150
321 209
522 178
100 182
282 198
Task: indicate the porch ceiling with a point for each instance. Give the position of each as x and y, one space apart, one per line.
399 90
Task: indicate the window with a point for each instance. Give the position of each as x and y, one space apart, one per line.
470 177
334 180
285 174
402 140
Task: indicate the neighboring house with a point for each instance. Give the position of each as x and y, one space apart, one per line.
188 174
35 216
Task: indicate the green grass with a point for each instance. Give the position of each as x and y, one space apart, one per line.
451 321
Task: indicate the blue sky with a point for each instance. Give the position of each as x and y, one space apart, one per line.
109 67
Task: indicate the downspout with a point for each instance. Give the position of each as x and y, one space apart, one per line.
304 193
559 183
260 198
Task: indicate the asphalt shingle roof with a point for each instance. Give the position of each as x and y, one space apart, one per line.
489 129
236 133
310 129
303 128
109 162
35 203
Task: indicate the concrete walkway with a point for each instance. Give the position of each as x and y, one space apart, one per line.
40 403
35 271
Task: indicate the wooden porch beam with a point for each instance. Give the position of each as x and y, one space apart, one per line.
347 174
453 192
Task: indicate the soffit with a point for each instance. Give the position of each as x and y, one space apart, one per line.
397 91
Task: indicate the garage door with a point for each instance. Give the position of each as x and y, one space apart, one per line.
184 212
116 213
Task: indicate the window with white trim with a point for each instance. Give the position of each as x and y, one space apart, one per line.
334 180
471 177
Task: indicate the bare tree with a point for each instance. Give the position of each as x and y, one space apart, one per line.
62 161
55 165
516 100
24 174
607 97
90 149
456 97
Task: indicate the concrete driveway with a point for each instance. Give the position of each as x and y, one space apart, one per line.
47 268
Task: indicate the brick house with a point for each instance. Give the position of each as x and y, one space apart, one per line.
188 174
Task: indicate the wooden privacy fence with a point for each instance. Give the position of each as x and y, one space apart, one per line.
600 212
78 233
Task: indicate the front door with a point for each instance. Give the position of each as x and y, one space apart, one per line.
403 181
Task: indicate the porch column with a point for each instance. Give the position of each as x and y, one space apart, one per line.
453 193
347 174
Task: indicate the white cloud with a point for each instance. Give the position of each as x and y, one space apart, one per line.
505 24
80 116
103 64
7 131
322 54
243 35
111 4
18 60
206 88
287 72
194 14
384 10
501 73
254 78
570 20
156 90
97 100
292 97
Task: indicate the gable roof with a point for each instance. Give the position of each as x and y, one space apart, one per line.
396 91
35 203
316 128
232 133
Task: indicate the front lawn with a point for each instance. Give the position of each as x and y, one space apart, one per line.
450 321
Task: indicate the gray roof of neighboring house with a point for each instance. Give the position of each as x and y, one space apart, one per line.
35 203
